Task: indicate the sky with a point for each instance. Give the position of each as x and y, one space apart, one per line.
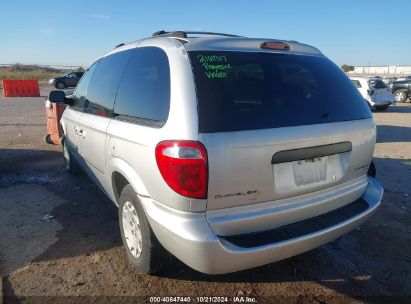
74 32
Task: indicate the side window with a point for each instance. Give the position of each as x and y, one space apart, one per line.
104 84
81 89
144 92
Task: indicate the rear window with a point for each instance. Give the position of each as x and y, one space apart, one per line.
247 91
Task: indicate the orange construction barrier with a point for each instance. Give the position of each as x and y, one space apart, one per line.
6 89
21 88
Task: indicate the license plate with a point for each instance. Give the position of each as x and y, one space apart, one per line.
310 170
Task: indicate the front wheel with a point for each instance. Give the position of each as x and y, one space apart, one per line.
143 250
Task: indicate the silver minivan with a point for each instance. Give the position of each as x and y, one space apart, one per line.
227 152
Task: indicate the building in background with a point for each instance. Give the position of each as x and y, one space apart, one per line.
392 70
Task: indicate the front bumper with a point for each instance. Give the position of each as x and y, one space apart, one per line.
189 237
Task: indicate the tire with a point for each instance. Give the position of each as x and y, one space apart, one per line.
400 96
60 85
143 250
372 171
48 140
382 108
70 163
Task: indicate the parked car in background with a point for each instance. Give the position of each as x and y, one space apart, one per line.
66 81
401 89
375 92
228 152
408 77
389 80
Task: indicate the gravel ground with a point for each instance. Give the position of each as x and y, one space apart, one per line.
60 242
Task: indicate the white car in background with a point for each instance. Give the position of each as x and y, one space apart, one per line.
375 92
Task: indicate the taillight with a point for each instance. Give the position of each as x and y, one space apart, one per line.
183 165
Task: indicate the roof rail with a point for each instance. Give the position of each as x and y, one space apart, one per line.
183 34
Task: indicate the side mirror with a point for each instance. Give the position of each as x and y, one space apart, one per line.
60 97
57 96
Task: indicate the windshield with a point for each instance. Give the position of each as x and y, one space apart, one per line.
247 91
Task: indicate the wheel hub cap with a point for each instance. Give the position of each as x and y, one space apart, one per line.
132 230
399 96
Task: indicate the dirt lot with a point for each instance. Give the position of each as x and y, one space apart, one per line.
75 254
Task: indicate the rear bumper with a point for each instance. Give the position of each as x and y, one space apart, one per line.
190 238
384 103
381 103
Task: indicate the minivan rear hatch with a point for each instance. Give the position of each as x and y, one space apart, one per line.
278 125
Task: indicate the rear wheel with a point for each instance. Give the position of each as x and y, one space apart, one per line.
400 95
143 250
70 162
